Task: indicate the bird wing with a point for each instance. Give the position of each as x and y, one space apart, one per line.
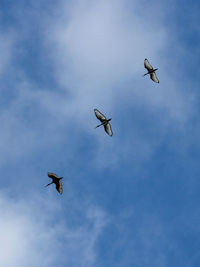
108 129
147 65
52 175
154 77
59 187
99 115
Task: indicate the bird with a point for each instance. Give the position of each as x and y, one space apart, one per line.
104 122
56 181
151 71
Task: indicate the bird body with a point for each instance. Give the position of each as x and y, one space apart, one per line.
104 122
151 71
56 181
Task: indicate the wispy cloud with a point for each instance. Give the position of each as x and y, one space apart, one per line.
34 233
97 46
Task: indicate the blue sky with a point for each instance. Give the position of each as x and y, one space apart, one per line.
129 200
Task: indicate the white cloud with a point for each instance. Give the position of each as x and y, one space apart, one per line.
98 45
33 233
98 49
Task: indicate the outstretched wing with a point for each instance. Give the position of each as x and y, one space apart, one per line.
154 77
52 175
99 115
147 65
59 187
108 129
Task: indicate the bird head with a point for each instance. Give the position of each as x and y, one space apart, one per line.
110 119
60 178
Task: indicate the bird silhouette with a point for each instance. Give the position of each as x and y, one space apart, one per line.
151 71
104 122
56 181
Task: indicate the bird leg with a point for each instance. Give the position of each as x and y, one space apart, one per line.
48 184
146 74
99 125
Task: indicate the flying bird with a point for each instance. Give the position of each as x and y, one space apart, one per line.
56 181
151 71
104 122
